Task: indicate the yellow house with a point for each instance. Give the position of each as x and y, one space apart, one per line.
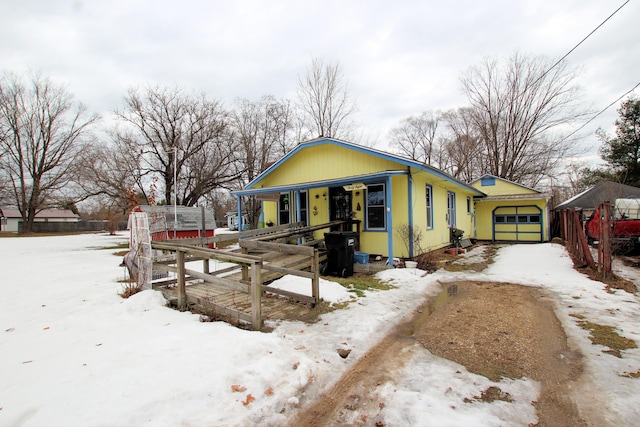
385 195
510 212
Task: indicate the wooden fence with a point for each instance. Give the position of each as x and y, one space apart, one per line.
573 233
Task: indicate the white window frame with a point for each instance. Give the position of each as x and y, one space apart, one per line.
429 201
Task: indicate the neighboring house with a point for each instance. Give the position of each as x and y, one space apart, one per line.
605 191
510 212
11 220
326 179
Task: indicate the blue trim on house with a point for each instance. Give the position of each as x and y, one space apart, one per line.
410 210
366 179
389 220
371 151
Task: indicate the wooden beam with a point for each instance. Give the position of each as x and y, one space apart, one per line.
245 267
163 267
234 267
285 270
206 302
256 296
315 280
292 229
300 231
236 286
182 294
206 253
289 294
263 231
279 247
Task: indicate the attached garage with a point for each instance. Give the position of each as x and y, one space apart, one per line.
510 212
518 223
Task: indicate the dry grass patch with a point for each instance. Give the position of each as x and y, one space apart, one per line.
490 395
455 263
612 282
635 374
606 336
360 282
129 288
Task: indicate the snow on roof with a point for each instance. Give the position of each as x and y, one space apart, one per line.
45 213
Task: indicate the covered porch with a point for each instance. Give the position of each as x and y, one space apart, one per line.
349 199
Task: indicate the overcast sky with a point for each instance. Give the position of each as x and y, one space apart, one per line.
400 57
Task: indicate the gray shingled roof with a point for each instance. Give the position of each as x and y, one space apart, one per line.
605 191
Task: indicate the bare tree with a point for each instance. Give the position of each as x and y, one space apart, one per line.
181 137
41 134
462 152
111 172
261 132
324 101
519 107
416 137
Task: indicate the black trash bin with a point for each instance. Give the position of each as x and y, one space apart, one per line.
341 247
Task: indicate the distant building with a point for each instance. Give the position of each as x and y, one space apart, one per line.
190 222
604 191
11 220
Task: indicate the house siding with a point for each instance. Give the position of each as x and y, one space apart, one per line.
323 162
502 187
318 162
438 236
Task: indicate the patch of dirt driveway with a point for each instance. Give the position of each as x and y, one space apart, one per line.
505 330
493 329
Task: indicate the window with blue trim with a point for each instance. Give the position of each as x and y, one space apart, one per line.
429 200
375 207
487 181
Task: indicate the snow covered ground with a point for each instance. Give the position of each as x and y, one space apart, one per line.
74 353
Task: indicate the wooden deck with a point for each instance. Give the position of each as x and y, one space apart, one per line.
216 301
241 293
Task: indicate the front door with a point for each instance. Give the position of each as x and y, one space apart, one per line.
284 209
339 204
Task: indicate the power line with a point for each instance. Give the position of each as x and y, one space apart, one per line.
582 41
570 51
574 48
603 110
